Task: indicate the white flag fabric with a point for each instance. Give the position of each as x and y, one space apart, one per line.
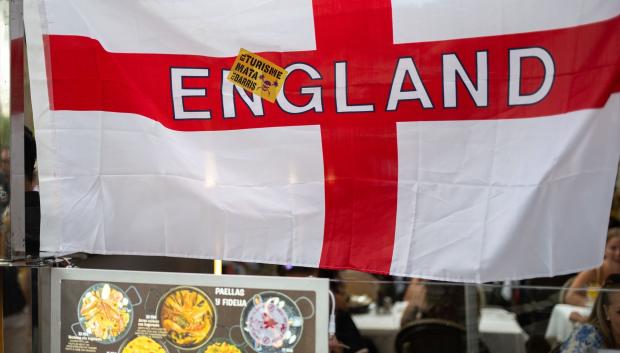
439 139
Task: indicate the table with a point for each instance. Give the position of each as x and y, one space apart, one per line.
381 328
560 326
501 332
498 329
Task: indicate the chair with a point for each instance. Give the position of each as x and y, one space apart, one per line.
433 336
564 290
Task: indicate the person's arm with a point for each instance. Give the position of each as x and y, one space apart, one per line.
410 314
416 293
576 294
577 317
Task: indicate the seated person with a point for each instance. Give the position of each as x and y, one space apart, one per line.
593 279
348 338
360 283
602 329
434 300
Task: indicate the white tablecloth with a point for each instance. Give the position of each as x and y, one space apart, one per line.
381 329
560 326
498 329
501 332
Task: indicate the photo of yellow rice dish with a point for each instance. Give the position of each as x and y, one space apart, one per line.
143 344
187 316
222 347
104 312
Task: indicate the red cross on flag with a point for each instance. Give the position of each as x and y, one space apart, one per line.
469 141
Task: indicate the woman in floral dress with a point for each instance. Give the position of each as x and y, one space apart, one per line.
602 329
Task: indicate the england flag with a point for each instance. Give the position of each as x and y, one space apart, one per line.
467 141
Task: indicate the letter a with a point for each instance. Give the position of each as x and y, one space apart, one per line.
406 66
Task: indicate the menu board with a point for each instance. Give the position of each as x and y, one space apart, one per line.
203 314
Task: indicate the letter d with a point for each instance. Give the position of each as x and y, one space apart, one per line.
514 85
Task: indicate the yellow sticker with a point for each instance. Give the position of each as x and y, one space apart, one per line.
257 75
